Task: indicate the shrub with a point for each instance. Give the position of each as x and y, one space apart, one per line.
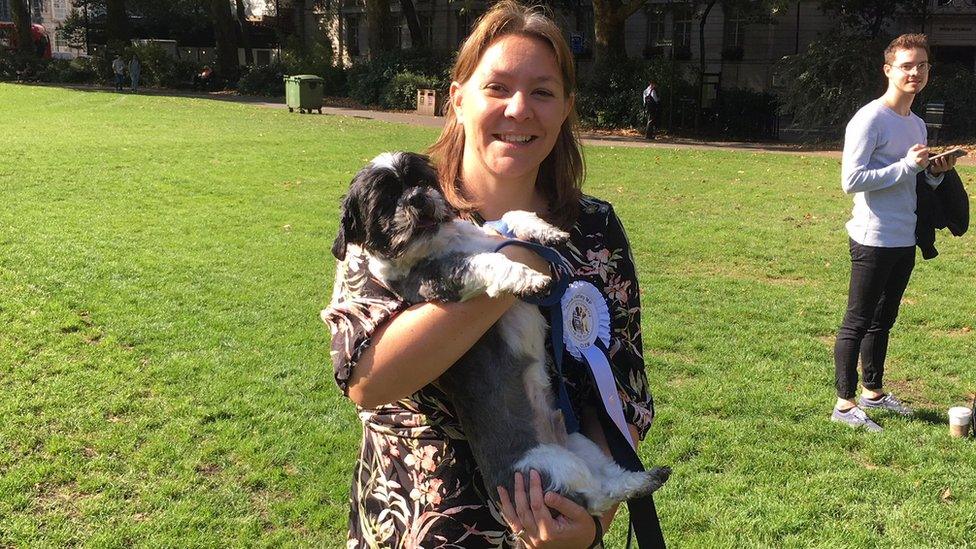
401 92
612 96
954 86
746 114
262 80
368 81
80 70
827 84
155 64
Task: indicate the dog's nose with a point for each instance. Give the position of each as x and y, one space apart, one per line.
417 199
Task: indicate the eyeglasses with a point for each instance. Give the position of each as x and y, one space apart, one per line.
922 67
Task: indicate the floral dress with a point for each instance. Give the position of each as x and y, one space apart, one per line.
416 483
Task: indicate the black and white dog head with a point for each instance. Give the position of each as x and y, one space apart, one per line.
393 203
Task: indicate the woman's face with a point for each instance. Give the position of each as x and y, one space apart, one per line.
512 108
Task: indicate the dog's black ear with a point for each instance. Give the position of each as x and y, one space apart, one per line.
420 170
349 229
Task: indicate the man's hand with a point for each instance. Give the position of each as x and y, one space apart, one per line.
942 165
918 155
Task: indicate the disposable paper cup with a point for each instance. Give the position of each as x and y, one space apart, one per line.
960 417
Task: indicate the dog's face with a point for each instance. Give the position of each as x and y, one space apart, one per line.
392 203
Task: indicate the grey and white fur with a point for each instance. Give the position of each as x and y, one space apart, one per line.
500 388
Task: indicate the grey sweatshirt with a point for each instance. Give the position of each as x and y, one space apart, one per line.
876 171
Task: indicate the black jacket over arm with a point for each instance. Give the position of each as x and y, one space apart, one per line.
946 206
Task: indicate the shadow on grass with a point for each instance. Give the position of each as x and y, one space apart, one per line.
228 96
931 415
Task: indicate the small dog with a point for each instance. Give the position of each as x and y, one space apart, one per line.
500 388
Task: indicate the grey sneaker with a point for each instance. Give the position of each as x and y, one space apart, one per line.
855 417
887 402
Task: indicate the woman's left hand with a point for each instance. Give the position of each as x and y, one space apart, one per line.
531 520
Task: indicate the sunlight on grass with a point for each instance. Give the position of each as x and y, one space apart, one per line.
164 376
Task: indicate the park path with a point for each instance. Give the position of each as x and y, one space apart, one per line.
601 139
589 138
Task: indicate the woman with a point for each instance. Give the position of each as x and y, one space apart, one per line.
508 144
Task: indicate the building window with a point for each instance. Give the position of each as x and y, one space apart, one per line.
398 31
734 29
426 21
732 47
656 34
352 36
681 31
683 21
4 11
59 9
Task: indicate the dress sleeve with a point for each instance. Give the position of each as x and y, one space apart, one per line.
360 304
626 347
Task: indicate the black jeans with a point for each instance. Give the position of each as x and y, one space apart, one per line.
879 277
653 112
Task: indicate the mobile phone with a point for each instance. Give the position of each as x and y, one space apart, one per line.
957 152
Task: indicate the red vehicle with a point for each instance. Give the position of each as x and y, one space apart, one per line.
8 38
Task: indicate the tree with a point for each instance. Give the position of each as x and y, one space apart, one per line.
609 18
225 34
21 17
74 30
417 38
379 27
869 17
116 24
243 34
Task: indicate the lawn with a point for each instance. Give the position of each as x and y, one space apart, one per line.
164 375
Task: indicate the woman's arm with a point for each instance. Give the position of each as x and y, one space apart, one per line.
415 347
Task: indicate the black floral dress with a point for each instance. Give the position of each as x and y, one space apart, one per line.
416 483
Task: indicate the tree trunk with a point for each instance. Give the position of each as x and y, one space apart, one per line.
417 38
300 30
245 39
21 18
379 27
116 25
701 62
225 34
609 21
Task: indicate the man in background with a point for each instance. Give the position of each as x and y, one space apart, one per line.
652 109
884 150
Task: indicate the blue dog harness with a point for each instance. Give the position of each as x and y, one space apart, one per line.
644 522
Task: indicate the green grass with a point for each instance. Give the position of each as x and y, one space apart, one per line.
164 376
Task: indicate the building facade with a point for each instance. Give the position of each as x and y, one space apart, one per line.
740 51
49 13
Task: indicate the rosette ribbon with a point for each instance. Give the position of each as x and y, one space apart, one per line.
579 323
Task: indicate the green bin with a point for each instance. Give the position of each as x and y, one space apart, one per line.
304 92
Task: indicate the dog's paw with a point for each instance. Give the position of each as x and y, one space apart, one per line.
529 226
656 478
552 237
534 284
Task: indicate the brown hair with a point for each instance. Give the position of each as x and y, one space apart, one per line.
906 42
561 173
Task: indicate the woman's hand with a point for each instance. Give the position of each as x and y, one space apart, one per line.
529 517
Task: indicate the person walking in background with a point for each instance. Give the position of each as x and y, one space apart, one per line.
118 67
652 109
884 150
135 70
